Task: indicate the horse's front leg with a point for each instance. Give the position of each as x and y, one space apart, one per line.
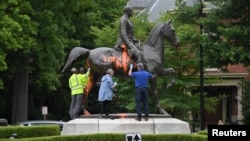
170 71
165 71
156 98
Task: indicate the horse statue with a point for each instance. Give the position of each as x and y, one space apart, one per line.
102 58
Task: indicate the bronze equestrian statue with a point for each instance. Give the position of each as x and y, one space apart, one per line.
102 58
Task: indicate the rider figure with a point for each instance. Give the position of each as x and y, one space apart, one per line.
126 38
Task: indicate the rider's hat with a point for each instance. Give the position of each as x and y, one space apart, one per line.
127 8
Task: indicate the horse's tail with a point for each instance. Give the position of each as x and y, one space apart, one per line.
73 55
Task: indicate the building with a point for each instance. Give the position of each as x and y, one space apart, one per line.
229 110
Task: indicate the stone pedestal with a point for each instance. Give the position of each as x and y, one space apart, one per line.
125 123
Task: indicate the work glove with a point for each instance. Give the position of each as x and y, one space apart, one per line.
131 66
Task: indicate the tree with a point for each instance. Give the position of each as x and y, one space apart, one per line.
228 30
96 13
34 34
246 103
55 33
17 35
36 38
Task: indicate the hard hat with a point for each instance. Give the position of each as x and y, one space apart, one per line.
82 69
73 70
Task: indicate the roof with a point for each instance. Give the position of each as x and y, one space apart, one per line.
155 8
159 7
237 68
141 3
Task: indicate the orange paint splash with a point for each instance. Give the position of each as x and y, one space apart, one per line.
89 83
122 116
119 62
125 62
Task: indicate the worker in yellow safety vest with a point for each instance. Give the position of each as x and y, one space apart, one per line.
76 84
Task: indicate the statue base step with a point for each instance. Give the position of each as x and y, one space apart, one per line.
125 123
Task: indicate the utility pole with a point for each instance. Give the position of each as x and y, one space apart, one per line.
201 76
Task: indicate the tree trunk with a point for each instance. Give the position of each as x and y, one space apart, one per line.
20 97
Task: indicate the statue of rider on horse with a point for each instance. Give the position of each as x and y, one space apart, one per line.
127 51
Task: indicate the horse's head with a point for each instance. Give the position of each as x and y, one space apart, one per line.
169 32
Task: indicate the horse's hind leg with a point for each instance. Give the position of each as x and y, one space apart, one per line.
85 101
85 98
91 83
